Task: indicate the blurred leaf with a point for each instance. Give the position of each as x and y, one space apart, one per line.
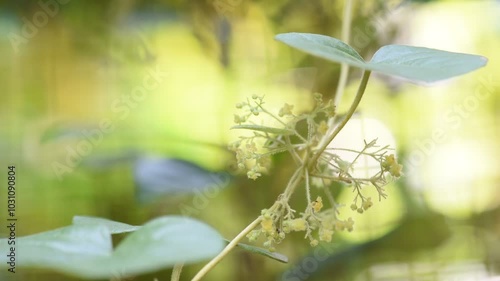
113 226
156 176
261 251
265 129
414 63
85 250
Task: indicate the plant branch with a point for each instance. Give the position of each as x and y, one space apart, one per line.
292 184
350 112
226 250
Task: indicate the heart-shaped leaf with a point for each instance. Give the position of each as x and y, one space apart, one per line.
84 249
417 64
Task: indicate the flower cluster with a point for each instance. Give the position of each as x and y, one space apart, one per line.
274 226
275 139
391 165
320 220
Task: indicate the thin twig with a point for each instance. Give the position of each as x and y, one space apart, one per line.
226 250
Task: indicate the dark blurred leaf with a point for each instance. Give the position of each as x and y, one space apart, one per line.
156 176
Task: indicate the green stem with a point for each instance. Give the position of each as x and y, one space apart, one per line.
350 112
176 273
226 250
293 183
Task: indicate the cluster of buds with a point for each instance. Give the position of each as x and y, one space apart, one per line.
275 225
391 165
249 159
366 203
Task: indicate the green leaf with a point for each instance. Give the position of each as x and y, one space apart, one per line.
85 249
273 255
165 242
417 64
323 46
423 64
270 130
113 226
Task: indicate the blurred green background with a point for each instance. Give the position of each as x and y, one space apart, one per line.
77 66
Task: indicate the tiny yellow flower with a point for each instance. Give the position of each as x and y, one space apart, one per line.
339 225
323 128
253 235
296 224
251 148
387 162
314 243
391 165
253 175
349 223
267 225
330 110
325 234
367 203
286 110
317 205
396 169
239 119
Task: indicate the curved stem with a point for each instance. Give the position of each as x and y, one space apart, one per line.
226 250
293 183
350 112
176 273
